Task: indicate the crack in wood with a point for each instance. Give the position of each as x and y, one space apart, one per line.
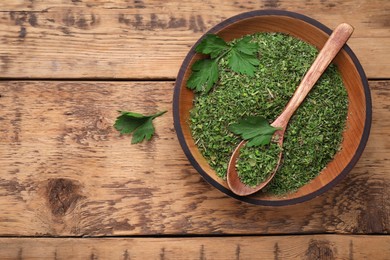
126 255
351 250
162 253
238 251
202 254
276 251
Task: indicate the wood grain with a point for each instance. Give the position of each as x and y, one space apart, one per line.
66 172
274 247
149 39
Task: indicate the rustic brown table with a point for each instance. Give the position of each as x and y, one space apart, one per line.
72 187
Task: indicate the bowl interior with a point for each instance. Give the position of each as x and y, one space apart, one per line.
354 133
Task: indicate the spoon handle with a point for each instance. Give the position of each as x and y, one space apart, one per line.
333 45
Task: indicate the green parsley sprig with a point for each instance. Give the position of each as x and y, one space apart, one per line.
255 129
140 125
241 58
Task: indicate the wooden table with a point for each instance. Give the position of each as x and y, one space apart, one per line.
72 187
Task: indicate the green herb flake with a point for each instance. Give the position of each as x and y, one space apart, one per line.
140 125
255 164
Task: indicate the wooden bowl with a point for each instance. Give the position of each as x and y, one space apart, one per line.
311 31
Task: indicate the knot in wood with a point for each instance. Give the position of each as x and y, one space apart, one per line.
62 195
320 249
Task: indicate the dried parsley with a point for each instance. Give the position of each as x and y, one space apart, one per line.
314 133
256 163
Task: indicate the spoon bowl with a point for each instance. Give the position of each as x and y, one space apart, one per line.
332 46
232 176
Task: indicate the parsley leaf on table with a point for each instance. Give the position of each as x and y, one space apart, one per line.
255 129
204 75
242 58
140 125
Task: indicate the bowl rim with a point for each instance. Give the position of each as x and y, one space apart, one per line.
208 178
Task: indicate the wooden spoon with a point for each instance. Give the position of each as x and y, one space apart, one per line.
332 46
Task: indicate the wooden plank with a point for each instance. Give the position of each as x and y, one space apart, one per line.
149 39
66 172
273 247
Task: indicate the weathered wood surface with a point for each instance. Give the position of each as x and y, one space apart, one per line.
66 172
273 247
149 39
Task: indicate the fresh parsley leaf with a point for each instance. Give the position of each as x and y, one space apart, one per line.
243 57
243 63
204 75
212 44
140 125
247 46
255 129
260 140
